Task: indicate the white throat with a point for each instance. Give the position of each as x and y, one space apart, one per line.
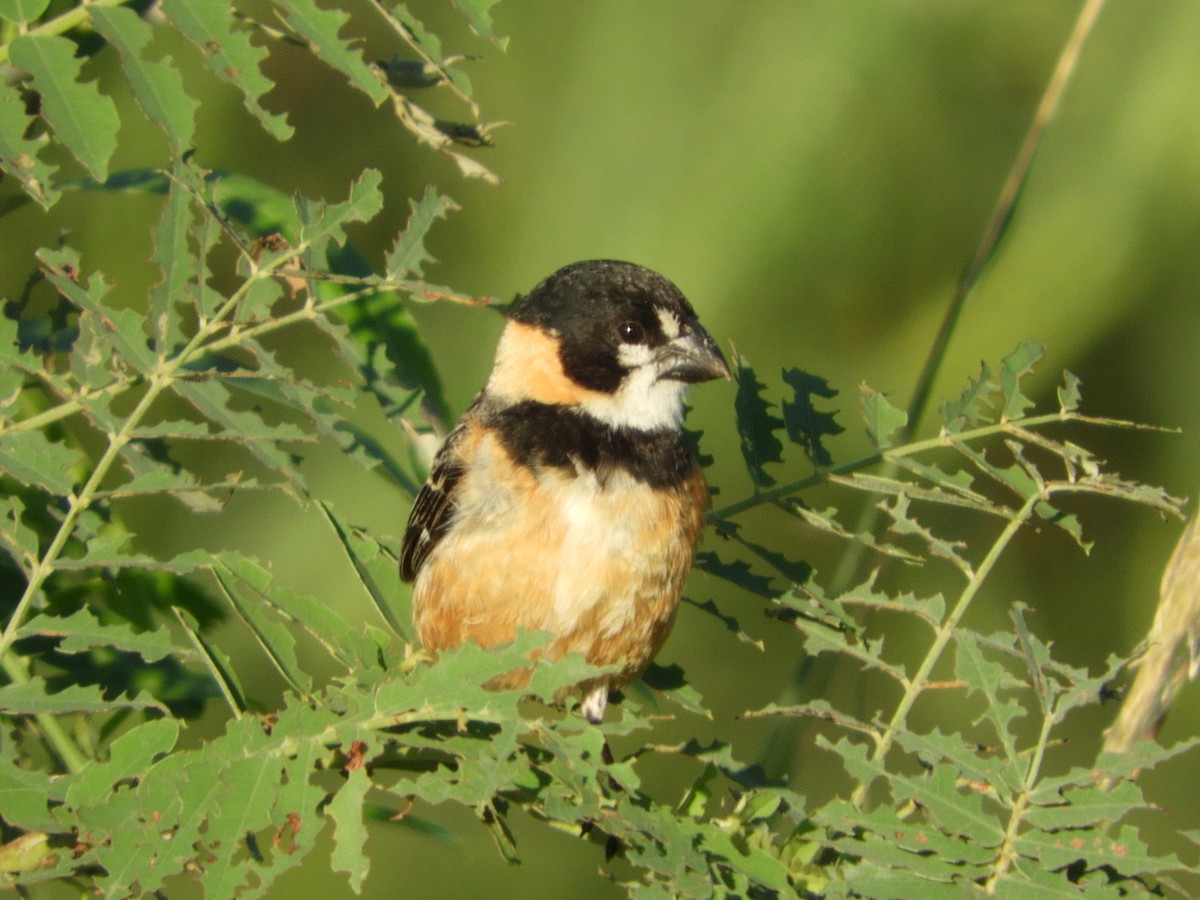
643 402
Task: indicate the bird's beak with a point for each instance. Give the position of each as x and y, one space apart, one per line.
693 356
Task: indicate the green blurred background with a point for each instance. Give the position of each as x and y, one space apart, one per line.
814 176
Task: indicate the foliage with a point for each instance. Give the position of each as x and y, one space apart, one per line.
109 653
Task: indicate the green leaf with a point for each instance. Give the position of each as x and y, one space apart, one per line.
954 856
230 55
478 13
377 570
755 424
350 833
30 698
82 118
81 631
1068 394
219 666
26 853
883 420
32 458
156 84
320 27
806 426
988 678
247 428
1087 807
123 329
18 539
19 153
971 406
408 254
429 46
985 773
364 203
905 524
173 256
247 806
245 584
1013 368
129 757
1126 853
20 12
24 796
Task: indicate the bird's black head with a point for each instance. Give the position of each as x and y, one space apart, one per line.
614 320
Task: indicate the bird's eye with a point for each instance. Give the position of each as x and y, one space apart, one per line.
631 332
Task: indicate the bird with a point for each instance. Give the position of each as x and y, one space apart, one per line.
566 499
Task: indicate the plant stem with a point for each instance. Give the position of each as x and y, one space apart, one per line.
944 635
1005 855
1003 209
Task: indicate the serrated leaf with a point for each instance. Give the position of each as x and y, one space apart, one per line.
31 458
123 329
151 474
173 256
429 46
956 857
230 55
18 539
904 524
377 570
325 223
821 710
24 796
755 424
82 118
1087 807
983 773
19 152
156 84
245 427
219 665
1013 368
827 520
320 27
82 631
958 810
408 254
1068 393
246 807
244 584
129 756
807 426
350 833
988 678
31 698
971 406
1126 853
821 638
883 420
478 14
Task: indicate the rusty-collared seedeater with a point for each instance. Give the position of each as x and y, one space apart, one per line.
566 500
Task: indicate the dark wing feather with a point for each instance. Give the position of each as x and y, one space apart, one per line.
431 513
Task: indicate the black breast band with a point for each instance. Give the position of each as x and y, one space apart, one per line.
547 435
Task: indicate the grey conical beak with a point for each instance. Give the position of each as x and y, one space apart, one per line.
691 357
